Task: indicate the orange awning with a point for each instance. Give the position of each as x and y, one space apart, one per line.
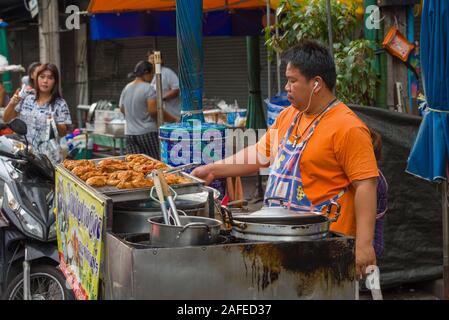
103 6
108 6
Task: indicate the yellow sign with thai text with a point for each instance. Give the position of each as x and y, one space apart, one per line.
79 226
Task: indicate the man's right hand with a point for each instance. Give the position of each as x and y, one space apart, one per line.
205 173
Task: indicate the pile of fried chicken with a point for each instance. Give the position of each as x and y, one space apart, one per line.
127 174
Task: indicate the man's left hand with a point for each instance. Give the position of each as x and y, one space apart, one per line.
364 256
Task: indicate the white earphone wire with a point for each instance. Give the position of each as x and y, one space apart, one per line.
310 98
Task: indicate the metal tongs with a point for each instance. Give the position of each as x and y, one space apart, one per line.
177 169
182 168
164 191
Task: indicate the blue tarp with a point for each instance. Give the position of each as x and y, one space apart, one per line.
429 155
163 23
191 58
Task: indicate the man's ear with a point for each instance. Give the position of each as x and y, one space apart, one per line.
317 85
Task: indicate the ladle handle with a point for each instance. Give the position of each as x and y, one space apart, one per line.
160 194
164 185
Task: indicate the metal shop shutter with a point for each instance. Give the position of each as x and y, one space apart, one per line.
225 66
225 69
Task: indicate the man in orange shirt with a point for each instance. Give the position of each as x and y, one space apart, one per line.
319 152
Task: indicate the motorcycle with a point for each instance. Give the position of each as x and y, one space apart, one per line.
28 248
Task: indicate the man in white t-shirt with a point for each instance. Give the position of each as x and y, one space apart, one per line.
170 88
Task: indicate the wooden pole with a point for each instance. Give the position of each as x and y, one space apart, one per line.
160 107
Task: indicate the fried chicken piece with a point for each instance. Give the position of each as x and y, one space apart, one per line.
122 166
98 181
130 180
112 182
134 176
144 168
69 164
148 166
125 185
114 167
95 173
113 179
116 174
125 175
131 157
116 177
160 165
135 184
171 178
138 161
142 183
175 179
108 162
72 164
79 171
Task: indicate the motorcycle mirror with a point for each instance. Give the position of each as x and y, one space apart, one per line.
18 126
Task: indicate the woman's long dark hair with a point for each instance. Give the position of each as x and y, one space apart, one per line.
55 93
32 67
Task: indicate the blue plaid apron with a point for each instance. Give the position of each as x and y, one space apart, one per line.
285 180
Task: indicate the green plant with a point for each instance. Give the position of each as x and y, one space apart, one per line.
356 77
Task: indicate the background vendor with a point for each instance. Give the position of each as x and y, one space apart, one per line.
319 151
138 103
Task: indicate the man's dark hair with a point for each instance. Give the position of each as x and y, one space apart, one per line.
312 59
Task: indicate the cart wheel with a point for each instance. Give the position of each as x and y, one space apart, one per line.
46 283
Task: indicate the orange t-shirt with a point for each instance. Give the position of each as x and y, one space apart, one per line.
339 152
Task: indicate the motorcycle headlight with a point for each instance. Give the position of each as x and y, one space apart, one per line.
52 231
18 146
29 224
27 221
12 202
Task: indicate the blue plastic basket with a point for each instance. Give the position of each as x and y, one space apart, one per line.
274 106
183 143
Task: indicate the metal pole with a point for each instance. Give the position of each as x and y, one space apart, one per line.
278 58
268 52
329 28
26 277
160 108
445 241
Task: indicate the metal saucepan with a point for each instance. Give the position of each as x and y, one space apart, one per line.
280 224
193 231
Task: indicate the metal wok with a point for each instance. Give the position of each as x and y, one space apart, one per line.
281 224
